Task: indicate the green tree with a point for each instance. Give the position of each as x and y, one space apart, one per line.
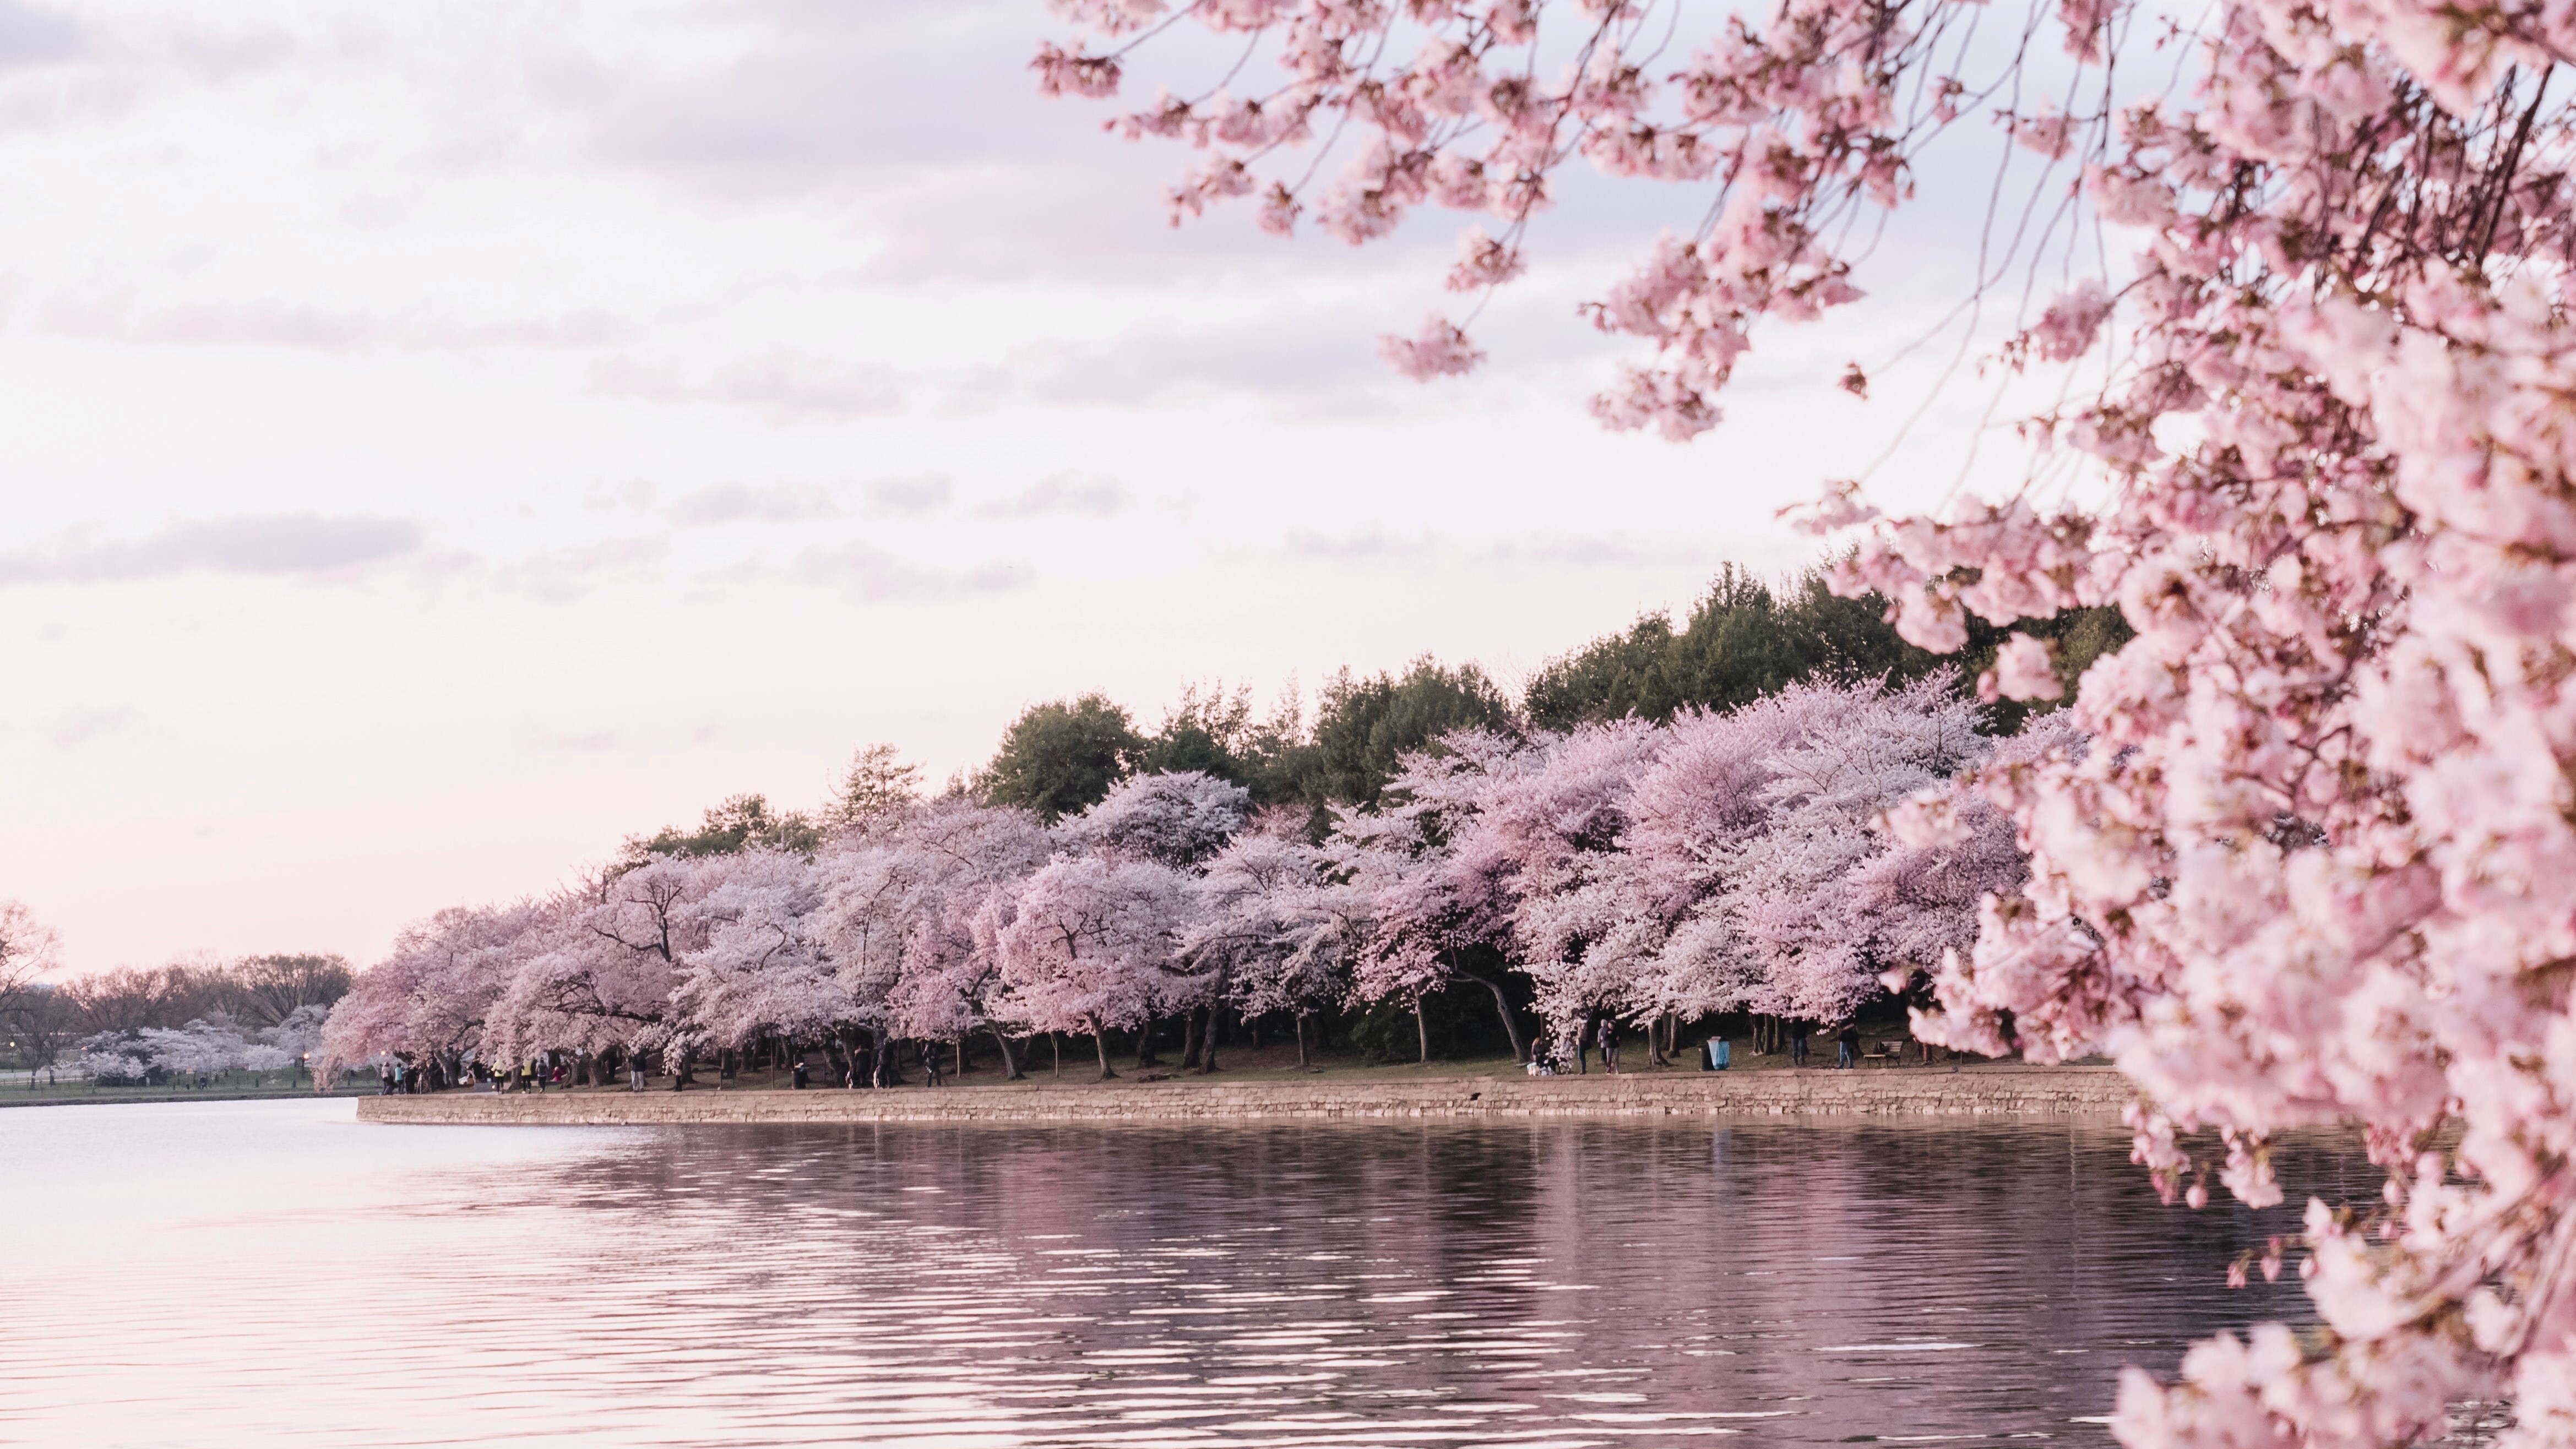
1213 730
1745 639
736 825
877 781
1362 724
1061 757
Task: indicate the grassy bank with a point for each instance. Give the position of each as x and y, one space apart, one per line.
1079 1065
228 1087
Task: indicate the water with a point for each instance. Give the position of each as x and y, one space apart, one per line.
277 1273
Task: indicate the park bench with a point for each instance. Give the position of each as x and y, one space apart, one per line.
1884 1050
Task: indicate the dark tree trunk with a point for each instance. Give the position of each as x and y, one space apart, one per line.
1207 1042
1190 1040
1583 1047
1421 1034
1302 1062
1145 1045
961 1055
1055 1046
1503 1008
1100 1043
1010 1063
881 1066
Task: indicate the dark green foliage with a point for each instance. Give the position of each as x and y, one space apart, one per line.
1362 725
1746 639
738 824
1213 731
1061 757
1459 1019
2081 636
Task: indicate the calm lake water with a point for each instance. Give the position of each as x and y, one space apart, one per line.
277 1273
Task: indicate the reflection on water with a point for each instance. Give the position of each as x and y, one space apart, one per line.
238 1273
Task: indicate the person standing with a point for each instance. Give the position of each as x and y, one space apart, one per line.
1797 1043
930 1064
797 1075
635 1071
1610 1045
1847 1046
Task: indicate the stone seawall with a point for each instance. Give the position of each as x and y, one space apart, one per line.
1912 1092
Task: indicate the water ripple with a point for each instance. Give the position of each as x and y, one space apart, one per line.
218 1274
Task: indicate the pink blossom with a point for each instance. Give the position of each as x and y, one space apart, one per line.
2023 669
1440 350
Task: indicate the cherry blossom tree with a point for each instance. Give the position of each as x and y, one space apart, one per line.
28 948
1178 819
601 968
896 927
1548 834
1090 944
202 1048
1816 903
757 972
2310 866
1430 899
432 996
1271 930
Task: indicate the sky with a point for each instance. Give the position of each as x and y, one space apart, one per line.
441 442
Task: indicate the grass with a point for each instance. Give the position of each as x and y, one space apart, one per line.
1272 1063
231 1086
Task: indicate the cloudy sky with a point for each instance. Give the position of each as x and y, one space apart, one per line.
440 441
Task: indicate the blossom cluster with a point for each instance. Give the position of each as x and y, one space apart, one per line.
202 1048
1796 119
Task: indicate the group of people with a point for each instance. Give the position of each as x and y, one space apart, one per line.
1846 1047
1715 1055
1545 1061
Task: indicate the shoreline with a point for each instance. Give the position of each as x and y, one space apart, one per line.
1972 1091
163 1099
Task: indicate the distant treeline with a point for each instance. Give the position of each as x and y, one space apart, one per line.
40 1021
1744 639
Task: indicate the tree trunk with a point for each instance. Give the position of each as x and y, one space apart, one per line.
1055 1045
1190 1040
961 1055
1100 1043
1583 1047
1302 1063
1421 1034
1503 1008
1010 1063
1207 1042
1145 1045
